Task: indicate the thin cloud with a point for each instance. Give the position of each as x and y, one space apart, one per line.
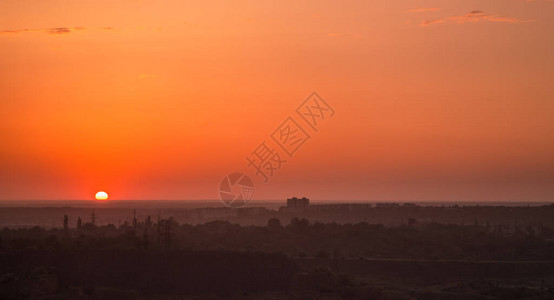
429 22
423 9
474 16
17 31
51 31
60 30
68 30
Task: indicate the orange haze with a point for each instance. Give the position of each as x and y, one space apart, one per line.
434 100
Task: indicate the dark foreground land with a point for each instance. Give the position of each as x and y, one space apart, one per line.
302 259
231 275
128 274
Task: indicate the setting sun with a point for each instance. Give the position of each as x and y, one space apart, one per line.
101 195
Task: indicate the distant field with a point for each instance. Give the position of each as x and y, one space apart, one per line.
434 272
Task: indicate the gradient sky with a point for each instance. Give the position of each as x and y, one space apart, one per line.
434 100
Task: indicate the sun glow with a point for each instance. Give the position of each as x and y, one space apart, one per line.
101 195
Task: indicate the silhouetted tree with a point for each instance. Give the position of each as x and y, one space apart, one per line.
274 223
65 222
79 222
299 223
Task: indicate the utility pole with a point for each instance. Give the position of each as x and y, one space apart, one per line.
93 218
159 230
134 221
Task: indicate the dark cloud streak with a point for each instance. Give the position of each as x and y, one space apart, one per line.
474 16
50 31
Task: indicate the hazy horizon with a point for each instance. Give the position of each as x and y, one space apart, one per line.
216 203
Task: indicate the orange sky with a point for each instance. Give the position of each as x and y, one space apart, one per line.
434 100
